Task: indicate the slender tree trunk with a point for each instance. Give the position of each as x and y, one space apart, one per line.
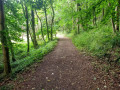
46 21
31 36
113 24
6 60
42 31
25 11
87 20
94 16
118 15
52 20
41 26
78 26
11 48
12 52
33 28
27 29
10 45
113 18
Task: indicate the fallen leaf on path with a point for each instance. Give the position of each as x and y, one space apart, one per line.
94 78
52 74
46 77
48 80
33 88
105 86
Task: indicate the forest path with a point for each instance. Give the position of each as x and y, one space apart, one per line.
62 69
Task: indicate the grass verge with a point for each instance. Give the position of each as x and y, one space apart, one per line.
34 56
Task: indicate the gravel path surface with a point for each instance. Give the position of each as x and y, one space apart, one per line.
62 69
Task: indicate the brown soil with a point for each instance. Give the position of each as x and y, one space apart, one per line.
65 68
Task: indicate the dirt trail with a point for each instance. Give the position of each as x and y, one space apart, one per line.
62 69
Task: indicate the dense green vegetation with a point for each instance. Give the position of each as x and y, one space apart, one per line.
93 26
28 29
23 60
27 33
97 41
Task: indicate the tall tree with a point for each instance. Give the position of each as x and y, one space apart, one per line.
7 67
94 15
41 26
27 28
33 28
25 11
118 15
78 25
45 10
11 47
112 17
53 15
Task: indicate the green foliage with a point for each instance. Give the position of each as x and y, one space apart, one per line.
97 41
93 25
13 20
34 56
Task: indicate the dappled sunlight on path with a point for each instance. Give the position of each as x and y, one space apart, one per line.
59 35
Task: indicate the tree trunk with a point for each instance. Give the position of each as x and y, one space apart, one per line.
52 20
78 26
113 18
46 21
25 11
113 24
12 52
41 26
118 15
94 16
6 60
27 29
33 28
31 36
11 48
10 45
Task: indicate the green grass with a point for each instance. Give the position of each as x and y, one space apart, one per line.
34 56
97 41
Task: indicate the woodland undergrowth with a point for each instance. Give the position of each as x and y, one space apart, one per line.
24 60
